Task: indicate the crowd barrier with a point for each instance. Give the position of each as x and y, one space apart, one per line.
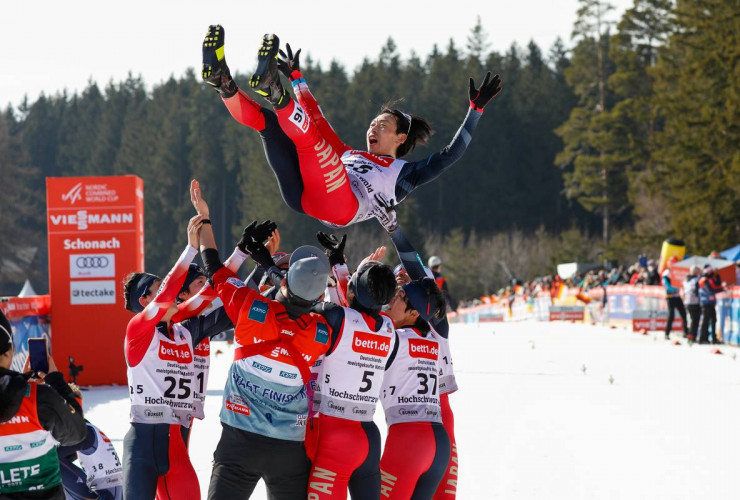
640 308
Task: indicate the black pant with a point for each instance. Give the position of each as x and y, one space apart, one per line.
694 315
708 315
675 304
145 458
243 458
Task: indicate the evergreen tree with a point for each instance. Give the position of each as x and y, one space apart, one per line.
698 159
596 178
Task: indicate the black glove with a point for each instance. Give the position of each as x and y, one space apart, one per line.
288 63
215 72
258 233
260 254
385 212
487 91
334 247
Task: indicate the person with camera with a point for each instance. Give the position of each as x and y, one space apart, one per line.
38 412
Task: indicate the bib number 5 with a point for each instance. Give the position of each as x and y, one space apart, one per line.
367 381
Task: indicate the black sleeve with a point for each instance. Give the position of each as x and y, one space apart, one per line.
418 173
208 325
56 381
334 316
66 424
407 253
212 261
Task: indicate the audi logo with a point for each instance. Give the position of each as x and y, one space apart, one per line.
95 262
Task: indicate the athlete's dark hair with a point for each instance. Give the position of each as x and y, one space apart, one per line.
128 282
418 130
382 283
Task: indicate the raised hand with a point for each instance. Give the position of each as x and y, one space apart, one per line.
489 89
334 247
288 63
196 198
193 227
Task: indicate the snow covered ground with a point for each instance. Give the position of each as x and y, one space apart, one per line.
555 411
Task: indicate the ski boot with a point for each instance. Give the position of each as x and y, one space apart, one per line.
266 78
215 72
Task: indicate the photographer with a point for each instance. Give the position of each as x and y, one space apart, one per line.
34 419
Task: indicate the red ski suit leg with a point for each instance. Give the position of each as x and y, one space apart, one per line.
245 110
327 194
180 482
447 489
345 457
409 452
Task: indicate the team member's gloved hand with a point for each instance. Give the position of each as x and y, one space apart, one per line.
489 89
334 247
257 233
256 248
289 63
386 213
215 72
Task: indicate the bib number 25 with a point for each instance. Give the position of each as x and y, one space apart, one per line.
182 388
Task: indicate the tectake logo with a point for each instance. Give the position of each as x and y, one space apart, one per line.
74 194
422 348
92 292
179 353
369 343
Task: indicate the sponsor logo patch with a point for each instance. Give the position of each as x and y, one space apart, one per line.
299 118
369 343
180 353
235 282
285 374
237 408
422 348
258 311
203 349
322 333
260 366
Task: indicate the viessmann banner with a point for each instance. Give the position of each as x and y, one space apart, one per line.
96 237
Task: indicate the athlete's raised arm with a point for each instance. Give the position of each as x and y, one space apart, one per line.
149 312
201 300
417 173
412 263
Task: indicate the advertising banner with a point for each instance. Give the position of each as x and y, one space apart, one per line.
567 313
96 237
654 320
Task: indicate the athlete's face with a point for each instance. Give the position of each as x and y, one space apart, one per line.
398 310
383 137
193 288
402 277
